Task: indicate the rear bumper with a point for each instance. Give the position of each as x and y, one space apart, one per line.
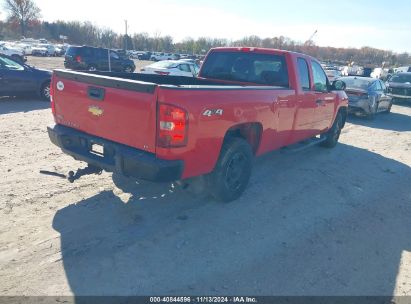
362 105
117 157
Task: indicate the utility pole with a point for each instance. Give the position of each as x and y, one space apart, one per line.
125 38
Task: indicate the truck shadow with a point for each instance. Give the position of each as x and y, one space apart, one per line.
392 122
307 225
10 105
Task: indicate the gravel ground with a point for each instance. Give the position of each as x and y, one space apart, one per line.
314 222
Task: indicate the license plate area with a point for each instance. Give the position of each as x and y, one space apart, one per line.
97 149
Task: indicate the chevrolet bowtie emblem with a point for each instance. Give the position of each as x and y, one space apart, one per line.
96 111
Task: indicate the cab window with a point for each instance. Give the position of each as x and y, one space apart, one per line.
303 74
319 77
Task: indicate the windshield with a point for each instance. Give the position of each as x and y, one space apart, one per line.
250 67
163 64
356 83
8 64
403 78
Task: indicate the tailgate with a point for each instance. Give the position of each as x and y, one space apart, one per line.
116 109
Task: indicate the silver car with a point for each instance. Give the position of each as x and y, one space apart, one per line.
366 96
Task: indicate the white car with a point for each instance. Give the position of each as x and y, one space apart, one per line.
379 73
27 49
44 50
172 68
38 50
16 54
333 74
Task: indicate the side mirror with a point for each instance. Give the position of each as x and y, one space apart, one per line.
338 85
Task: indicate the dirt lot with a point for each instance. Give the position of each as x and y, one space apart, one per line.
315 222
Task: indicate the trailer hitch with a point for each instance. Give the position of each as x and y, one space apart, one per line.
90 169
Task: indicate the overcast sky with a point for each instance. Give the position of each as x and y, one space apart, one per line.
346 23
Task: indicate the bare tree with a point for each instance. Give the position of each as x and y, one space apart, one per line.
22 11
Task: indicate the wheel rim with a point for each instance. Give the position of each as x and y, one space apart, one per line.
235 172
46 91
128 70
92 69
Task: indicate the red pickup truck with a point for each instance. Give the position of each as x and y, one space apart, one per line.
245 102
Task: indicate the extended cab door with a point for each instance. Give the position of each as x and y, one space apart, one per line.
305 122
324 100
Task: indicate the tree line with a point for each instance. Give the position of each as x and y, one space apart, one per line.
24 20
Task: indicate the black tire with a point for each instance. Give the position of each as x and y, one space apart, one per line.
45 91
373 111
334 133
128 69
388 111
92 68
233 170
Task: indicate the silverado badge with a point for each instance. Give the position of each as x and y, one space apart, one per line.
96 111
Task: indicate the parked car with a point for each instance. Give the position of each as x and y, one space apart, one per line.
144 55
245 102
366 96
333 74
82 58
379 73
14 53
163 56
399 86
172 68
20 79
26 48
403 69
39 50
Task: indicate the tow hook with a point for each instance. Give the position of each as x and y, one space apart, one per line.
90 169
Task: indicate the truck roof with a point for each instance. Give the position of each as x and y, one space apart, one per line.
258 50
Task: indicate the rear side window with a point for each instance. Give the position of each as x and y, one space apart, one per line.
73 51
265 69
184 68
320 79
303 73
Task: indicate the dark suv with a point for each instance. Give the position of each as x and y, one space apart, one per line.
399 86
87 58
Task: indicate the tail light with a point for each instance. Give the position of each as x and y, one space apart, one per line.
162 73
78 59
172 126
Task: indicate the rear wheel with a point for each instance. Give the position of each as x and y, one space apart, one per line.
128 69
45 91
233 170
92 68
373 110
332 136
388 111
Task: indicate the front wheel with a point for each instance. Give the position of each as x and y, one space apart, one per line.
233 170
332 136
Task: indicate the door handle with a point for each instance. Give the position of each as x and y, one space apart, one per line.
319 102
96 93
